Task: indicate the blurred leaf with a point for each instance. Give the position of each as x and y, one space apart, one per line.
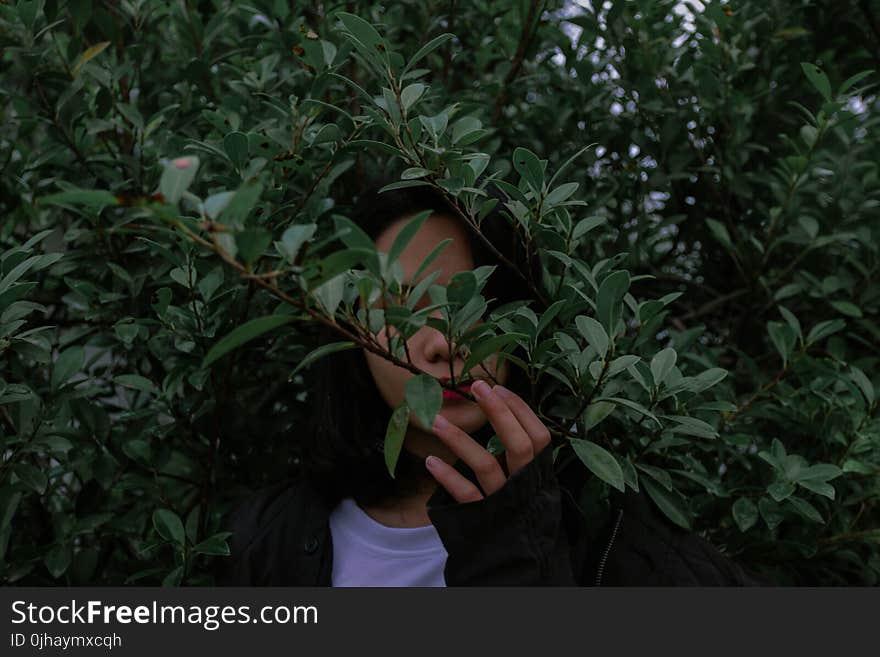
599 461
88 55
662 364
394 436
669 503
69 362
745 513
320 352
244 333
818 79
169 526
424 397
177 177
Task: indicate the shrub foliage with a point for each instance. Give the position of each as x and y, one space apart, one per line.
698 180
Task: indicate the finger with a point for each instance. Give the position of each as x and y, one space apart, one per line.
537 430
518 446
485 466
452 480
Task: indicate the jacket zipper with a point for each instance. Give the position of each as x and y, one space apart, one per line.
601 569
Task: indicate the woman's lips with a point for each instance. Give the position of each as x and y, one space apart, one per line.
452 395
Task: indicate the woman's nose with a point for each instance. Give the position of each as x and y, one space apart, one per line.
436 346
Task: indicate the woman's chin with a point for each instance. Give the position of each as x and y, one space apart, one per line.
466 416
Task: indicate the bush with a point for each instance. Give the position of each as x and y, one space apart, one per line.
700 184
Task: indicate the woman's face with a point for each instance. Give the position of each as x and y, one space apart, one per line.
428 348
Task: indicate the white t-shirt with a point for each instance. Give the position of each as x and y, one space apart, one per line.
368 553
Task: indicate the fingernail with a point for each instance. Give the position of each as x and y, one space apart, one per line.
440 423
432 462
480 389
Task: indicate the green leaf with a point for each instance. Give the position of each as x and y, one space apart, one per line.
403 184
9 499
169 526
138 450
659 475
340 261
174 577
406 234
329 132
490 346
863 382
244 200
662 364
584 226
236 146
692 426
94 199
57 560
719 232
414 173
216 203
846 308
135 381
361 29
394 436
818 487
132 114
87 55
529 167
792 320
594 333
428 48
37 262
411 94
780 490
461 288
424 396
177 177
293 239
69 363
630 476
214 545
464 127
745 514
820 472
610 298
622 363
561 193
595 413
320 352
818 79
244 333
850 82
430 258
806 509
783 338
770 512
251 244
329 294
635 406
668 502
569 162
209 284
599 461
31 477
705 380
824 329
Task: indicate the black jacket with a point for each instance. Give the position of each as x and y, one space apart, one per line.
531 532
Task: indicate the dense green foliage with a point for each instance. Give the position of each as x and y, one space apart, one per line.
701 185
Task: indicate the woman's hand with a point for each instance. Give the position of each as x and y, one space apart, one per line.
522 433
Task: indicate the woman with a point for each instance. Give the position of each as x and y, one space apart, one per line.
454 514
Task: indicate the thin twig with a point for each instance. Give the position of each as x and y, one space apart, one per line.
530 28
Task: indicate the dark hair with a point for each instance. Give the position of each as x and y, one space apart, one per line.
342 451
